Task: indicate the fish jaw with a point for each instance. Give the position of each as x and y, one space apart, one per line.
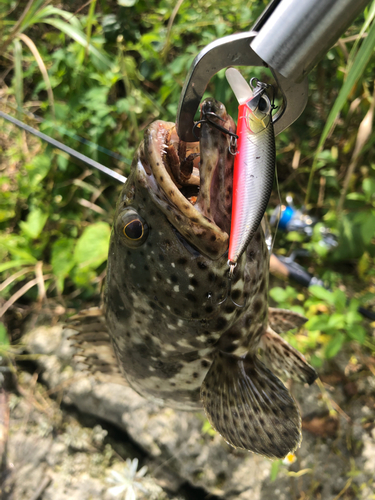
193 223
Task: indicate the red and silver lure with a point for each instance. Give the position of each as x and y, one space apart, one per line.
254 164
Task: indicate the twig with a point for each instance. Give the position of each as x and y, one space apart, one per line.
15 276
92 206
348 483
21 292
45 483
39 277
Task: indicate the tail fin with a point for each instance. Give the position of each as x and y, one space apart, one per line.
284 360
250 407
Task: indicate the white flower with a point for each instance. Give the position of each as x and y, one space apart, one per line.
127 481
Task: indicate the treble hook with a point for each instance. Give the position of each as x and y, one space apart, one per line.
229 287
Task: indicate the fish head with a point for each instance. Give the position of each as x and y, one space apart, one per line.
170 238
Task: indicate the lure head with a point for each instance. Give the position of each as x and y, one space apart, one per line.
259 112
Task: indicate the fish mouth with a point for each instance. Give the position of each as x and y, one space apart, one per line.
192 182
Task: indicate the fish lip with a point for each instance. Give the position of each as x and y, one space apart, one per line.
200 231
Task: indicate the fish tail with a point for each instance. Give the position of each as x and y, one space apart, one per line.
250 407
284 360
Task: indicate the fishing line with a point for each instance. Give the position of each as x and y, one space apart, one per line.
279 213
63 147
63 131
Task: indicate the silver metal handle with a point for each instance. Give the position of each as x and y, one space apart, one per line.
298 33
233 50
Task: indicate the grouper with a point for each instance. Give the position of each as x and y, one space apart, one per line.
184 334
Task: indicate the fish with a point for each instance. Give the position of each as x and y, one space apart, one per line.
180 336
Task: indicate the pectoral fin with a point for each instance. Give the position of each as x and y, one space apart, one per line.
283 320
93 345
250 407
284 360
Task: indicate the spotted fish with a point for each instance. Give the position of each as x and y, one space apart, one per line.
181 336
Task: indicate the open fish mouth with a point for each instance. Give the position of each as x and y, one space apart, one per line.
192 182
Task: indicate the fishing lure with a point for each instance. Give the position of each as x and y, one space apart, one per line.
254 164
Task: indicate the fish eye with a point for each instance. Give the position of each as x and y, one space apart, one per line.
132 227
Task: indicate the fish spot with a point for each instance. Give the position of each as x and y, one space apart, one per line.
230 309
191 297
182 261
258 305
194 282
174 278
213 238
172 384
161 178
209 309
161 257
205 363
236 294
221 323
195 375
146 268
194 315
178 217
176 311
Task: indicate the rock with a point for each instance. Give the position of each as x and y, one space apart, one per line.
179 450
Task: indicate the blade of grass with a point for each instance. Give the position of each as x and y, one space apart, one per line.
18 73
15 276
16 27
356 71
366 24
364 133
80 38
42 67
90 19
21 292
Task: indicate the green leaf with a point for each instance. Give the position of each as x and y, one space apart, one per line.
275 467
16 263
368 186
336 321
4 341
92 247
358 333
321 293
80 38
62 260
339 300
352 317
354 74
278 294
319 322
18 73
34 223
334 345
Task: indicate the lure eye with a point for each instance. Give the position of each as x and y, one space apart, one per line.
132 227
263 105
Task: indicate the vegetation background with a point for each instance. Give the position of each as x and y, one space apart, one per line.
94 75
